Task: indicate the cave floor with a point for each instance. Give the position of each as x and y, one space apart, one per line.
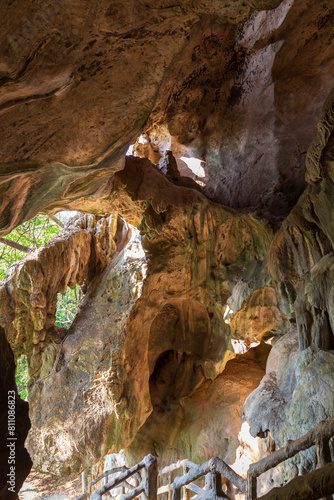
50 487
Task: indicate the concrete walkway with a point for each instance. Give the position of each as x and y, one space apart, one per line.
50 487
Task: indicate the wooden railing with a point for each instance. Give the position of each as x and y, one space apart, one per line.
147 485
212 470
321 480
115 470
169 471
314 485
319 436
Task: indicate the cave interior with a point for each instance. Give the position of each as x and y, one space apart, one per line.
194 141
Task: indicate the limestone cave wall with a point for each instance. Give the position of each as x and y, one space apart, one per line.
208 293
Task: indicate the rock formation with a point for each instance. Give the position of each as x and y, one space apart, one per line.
11 405
191 273
297 391
293 397
98 371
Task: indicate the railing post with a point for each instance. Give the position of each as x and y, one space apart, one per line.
83 481
170 481
152 479
323 453
213 481
186 492
90 488
208 481
176 493
144 478
251 488
218 485
323 458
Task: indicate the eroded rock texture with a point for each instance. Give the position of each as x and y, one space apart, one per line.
172 299
29 294
188 420
28 306
260 316
82 383
297 391
100 379
94 68
301 252
79 82
293 397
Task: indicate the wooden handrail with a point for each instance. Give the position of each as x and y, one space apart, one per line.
192 475
134 493
149 486
107 473
226 471
214 468
177 465
318 436
313 485
323 431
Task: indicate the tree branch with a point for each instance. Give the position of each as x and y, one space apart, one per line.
56 220
15 245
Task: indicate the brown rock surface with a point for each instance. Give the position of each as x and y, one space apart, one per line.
15 423
239 88
307 234
78 82
190 424
293 397
239 98
94 379
29 294
179 68
297 391
301 251
82 383
260 317
28 306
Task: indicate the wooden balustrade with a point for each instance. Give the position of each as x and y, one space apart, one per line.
318 436
319 481
213 469
149 486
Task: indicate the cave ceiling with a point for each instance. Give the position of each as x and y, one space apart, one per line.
229 83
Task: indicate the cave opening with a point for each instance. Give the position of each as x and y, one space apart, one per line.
22 376
27 237
176 162
174 377
67 305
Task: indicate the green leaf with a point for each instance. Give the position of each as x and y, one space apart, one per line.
33 233
67 307
22 377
